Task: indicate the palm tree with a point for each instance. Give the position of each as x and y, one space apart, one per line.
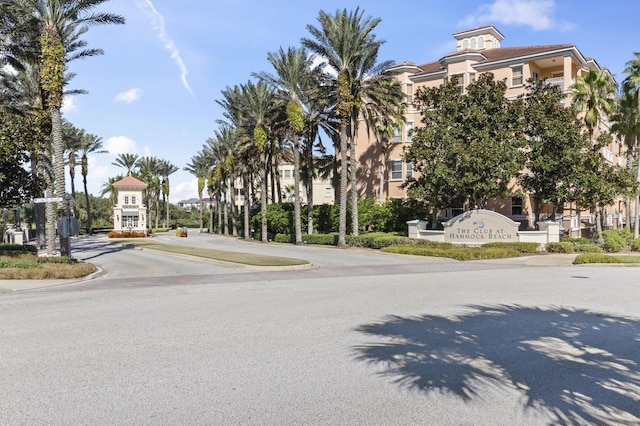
89 144
149 172
110 190
199 168
348 45
631 108
60 23
294 81
222 150
593 94
72 142
166 169
126 161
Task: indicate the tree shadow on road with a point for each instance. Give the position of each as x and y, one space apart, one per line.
581 366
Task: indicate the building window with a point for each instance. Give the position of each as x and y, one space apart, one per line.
534 75
516 206
472 77
474 44
409 130
129 220
328 191
480 43
408 92
465 44
397 136
287 174
126 200
396 170
133 200
409 173
516 76
456 211
459 79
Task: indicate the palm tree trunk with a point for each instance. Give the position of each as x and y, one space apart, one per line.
219 198
225 211
247 202
296 190
636 224
234 209
310 189
344 163
263 198
86 198
58 167
354 187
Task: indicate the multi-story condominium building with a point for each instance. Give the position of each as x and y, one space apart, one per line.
323 191
478 50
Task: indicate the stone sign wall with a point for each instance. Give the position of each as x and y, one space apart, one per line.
480 227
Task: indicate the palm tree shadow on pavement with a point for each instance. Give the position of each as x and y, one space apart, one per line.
580 366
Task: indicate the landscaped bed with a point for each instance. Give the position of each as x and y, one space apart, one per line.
22 263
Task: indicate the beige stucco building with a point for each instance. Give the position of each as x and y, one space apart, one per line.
478 50
130 213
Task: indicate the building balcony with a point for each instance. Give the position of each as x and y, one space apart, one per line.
557 81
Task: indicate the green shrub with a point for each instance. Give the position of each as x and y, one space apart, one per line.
561 247
375 240
594 258
16 249
588 248
455 252
520 247
575 241
321 239
283 238
635 245
614 241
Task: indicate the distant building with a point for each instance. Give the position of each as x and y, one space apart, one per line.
129 213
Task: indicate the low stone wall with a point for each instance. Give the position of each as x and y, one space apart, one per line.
477 222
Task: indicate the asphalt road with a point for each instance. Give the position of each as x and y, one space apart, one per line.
362 338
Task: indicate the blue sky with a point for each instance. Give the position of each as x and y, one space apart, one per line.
153 92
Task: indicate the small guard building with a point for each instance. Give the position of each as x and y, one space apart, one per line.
130 213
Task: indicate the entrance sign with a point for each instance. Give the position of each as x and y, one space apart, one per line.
480 227
48 200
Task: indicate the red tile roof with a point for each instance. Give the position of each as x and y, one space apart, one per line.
130 181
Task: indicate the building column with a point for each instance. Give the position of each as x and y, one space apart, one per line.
567 73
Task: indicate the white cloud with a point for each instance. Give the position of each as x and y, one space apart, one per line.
129 96
184 190
157 21
120 145
537 14
69 104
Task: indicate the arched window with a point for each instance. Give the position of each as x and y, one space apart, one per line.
465 44
474 43
126 200
133 200
481 42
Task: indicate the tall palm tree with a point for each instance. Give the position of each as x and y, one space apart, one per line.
110 190
149 172
89 144
223 150
166 169
199 168
294 81
126 161
60 23
348 45
631 92
72 142
593 94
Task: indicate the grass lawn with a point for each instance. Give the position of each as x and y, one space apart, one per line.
221 255
627 259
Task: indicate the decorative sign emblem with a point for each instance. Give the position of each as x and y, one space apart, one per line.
480 227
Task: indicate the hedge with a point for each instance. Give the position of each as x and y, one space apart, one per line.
16 249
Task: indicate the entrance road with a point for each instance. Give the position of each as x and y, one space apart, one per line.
364 338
